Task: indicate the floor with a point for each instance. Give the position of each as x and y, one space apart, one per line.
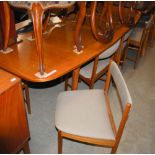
139 134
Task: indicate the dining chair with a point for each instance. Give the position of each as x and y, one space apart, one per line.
86 115
137 42
96 68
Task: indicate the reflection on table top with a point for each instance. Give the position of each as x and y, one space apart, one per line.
58 52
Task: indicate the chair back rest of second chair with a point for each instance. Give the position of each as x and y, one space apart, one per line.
110 51
126 37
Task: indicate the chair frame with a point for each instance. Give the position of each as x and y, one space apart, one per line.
101 142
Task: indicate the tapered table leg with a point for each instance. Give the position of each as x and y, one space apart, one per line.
77 35
7 24
37 14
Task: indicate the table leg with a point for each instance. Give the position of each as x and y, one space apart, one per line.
7 24
75 77
37 15
77 34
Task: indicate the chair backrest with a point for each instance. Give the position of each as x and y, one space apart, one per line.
120 84
125 38
124 94
110 51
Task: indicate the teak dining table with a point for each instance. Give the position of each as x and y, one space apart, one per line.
59 58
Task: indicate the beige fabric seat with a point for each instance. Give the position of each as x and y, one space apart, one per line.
85 115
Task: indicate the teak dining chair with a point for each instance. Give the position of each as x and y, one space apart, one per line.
93 71
86 115
137 41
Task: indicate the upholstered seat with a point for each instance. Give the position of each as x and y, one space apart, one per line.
83 113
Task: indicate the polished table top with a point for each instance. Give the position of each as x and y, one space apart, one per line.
59 57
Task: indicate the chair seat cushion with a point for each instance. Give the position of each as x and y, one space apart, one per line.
83 113
136 34
86 71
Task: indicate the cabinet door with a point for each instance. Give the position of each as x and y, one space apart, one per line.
14 131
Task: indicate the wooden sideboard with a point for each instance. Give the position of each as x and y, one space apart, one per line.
14 130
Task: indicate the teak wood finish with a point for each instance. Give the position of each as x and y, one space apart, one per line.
14 130
58 52
117 131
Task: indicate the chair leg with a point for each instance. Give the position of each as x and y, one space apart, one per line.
124 57
27 97
66 84
59 143
26 148
91 86
137 59
114 149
